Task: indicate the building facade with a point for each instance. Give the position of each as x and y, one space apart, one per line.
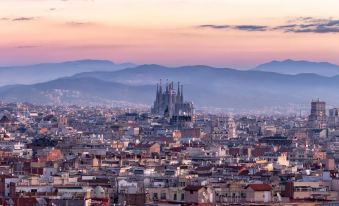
170 102
333 118
317 119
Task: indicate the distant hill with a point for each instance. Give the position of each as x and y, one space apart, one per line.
299 67
205 86
31 74
83 91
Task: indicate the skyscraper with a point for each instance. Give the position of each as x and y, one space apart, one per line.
171 101
317 119
333 118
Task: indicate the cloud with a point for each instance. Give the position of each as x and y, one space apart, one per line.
17 19
235 27
24 19
306 20
294 25
78 24
311 25
251 27
212 26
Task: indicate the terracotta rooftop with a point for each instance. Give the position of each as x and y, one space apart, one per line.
260 187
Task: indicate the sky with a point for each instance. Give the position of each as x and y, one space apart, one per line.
223 33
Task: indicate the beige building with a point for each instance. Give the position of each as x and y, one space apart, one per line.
259 193
175 194
310 190
198 194
230 192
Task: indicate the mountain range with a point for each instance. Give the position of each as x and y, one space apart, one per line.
299 67
30 74
205 86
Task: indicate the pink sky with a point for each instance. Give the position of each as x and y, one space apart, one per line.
223 33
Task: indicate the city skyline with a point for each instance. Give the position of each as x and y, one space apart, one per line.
238 34
169 102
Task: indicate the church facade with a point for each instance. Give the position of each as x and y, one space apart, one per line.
170 102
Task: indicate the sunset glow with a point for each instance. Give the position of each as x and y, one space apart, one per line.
225 33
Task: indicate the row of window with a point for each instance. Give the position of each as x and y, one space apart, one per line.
233 195
163 196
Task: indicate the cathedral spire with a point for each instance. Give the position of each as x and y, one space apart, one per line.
182 94
167 86
178 93
157 95
160 87
170 102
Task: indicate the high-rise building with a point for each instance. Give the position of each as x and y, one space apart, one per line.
317 119
170 102
231 128
333 118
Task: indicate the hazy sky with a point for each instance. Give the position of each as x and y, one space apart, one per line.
230 33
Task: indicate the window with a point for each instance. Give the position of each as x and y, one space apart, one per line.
175 196
163 196
155 196
182 196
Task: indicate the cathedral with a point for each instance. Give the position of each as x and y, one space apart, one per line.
169 102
